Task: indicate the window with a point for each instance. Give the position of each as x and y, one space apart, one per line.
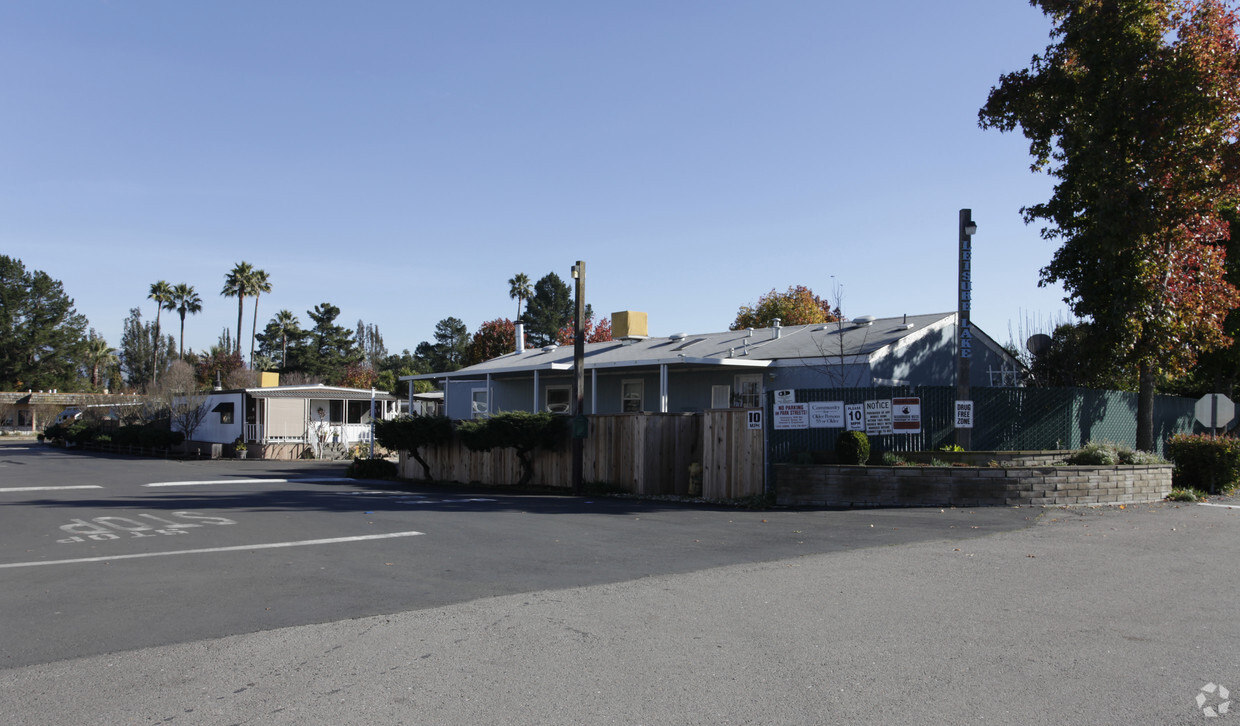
225 410
478 402
720 396
631 395
748 391
558 399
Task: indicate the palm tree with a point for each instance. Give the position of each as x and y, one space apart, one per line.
187 301
259 284
519 289
98 355
161 293
286 324
237 284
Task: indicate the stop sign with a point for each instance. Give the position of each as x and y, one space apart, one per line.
1214 410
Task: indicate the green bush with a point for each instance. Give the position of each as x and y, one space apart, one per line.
411 433
518 430
80 432
159 436
852 447
372 469
1204 462
1186 495
1105 453
128 435
891 458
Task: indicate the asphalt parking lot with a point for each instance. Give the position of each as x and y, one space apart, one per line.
563 610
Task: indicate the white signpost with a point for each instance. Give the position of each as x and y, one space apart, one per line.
964 414
906 415
791 416
854 417
826 414
878 420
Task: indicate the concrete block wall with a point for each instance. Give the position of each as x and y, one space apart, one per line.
924 486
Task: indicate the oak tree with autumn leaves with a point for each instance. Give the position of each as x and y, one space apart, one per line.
1134 109
798 306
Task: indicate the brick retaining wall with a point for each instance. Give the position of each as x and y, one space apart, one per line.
924 486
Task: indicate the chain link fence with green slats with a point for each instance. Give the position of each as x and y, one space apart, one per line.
1004 419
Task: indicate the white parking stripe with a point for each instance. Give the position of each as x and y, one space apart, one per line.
1222 506
239 548
209 482
50 489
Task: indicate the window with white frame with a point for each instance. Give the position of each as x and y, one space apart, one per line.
478 403
558 399
747 391
720 396
631 395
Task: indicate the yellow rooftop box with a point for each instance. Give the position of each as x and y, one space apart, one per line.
629 324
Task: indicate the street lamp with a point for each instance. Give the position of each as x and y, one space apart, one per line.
964 329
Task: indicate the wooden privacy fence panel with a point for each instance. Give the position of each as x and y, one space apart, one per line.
643 453
732 456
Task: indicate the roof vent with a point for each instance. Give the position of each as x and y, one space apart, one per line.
549 348
679 336
862 321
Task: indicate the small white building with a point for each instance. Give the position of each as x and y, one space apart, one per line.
286 422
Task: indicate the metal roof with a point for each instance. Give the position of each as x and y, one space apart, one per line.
760 347
320 391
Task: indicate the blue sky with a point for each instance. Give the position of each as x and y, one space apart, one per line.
402 160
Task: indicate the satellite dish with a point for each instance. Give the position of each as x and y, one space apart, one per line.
1038 343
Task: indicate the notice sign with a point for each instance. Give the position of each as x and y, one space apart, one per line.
964 414
878 421
826 414
906 415
791 416
854 417
754 419
786 396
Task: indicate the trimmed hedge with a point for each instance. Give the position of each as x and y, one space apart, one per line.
853 447
372 469
1205 462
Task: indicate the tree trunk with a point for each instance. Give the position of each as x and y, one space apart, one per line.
240 313
426 469
1145 407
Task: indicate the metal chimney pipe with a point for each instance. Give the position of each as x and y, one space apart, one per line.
520 333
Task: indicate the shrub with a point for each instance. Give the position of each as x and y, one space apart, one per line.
853 447
159 436
518 430
1105 453
1186 495
412 433
128 435
1205 462
372 469
80 432
891 458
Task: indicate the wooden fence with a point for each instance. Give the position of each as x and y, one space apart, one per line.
641 453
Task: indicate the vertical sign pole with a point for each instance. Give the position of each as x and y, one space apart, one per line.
964 328
579 379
